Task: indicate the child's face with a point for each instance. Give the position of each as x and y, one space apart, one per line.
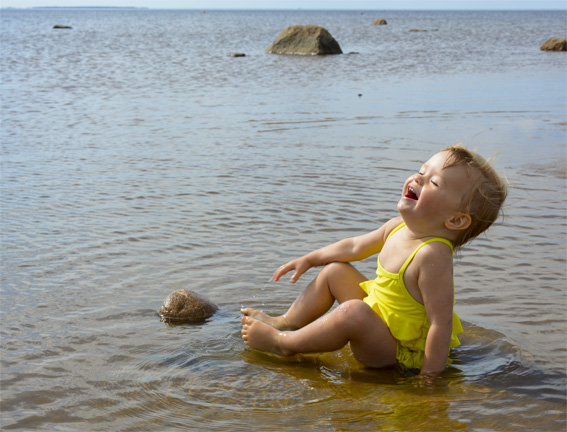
433 196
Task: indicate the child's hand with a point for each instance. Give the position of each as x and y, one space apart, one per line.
300 265
423 380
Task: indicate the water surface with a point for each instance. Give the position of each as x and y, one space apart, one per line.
138 158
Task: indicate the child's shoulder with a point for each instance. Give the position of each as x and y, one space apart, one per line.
435 254
392 225
432 269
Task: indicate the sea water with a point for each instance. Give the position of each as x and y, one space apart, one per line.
138 157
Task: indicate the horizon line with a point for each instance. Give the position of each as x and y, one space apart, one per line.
284 9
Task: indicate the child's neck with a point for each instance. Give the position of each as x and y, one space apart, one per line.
425 232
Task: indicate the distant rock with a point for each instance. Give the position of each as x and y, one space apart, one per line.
186 306
58 26
417 30
380 21
304 40
554 44
237 55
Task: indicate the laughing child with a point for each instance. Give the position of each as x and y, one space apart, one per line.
405 316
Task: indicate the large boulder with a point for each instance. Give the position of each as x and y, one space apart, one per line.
380 21
304 40
554 44
183 306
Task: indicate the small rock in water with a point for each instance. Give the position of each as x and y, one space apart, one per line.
186 306
554 44
237 55
58 26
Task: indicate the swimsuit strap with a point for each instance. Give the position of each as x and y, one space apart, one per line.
399 227
410 258
435 239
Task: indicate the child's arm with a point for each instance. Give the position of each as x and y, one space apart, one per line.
347 250
435 281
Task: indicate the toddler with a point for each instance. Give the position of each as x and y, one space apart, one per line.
405 316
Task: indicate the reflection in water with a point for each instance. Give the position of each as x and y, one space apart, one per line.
330 391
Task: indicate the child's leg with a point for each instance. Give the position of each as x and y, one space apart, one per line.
337 281
353 321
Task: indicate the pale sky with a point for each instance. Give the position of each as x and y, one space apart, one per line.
303 4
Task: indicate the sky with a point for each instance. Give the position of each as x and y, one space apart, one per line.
302 4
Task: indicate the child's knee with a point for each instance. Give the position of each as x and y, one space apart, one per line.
355 313
334 269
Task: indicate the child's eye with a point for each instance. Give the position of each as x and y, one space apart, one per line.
435 182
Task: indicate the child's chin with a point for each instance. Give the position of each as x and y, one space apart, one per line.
405 204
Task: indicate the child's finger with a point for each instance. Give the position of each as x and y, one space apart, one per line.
280 272
296 275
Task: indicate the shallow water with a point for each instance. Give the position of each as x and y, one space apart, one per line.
138 158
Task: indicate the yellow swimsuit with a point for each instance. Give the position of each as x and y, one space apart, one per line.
405 317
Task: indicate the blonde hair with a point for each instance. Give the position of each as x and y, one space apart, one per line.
483 201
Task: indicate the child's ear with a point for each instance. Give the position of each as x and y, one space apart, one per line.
460 221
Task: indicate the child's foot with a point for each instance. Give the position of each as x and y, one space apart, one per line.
261 336
279 322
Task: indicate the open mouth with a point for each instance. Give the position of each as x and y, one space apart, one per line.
411 194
